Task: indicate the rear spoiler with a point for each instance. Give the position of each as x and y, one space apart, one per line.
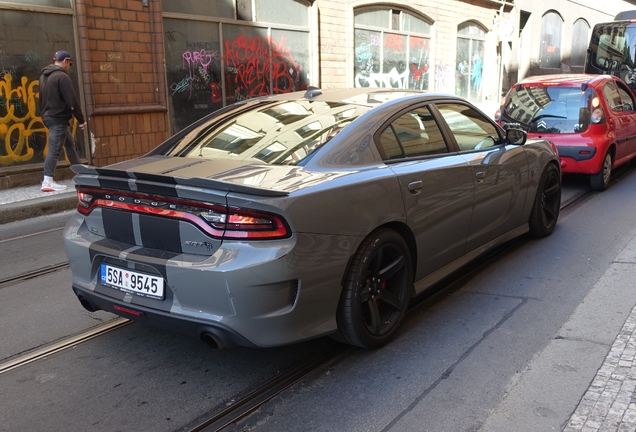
157 184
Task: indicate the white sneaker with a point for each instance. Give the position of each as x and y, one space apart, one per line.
51 186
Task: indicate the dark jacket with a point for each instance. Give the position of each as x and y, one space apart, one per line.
58 101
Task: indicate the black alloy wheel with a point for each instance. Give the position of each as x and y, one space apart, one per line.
547 203
600 180
376 292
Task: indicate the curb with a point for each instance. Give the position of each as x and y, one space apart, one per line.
12 212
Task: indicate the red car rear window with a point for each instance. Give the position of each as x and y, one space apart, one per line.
549 109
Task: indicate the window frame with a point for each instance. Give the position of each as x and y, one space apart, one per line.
388 123
543 49
451 136
472 42
383 31
579 43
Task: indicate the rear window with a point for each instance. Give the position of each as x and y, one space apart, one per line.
549 109
277 133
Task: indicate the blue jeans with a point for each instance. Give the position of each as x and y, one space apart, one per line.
59 135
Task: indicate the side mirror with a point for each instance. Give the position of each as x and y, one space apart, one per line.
516 136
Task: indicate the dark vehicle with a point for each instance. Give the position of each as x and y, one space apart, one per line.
590 118
612 49
289 217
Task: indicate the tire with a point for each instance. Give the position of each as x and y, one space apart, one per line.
600 181
547 203
376 291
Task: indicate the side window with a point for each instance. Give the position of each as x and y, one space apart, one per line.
417 134
391 144
612 97
626 98
471 130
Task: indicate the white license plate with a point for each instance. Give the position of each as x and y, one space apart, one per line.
131 281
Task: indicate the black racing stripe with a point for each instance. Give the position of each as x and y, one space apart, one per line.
160 233
118 225
104 247
152 257
156 189
117 173
159 178
113 183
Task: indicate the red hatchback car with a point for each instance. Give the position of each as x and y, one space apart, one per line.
590 118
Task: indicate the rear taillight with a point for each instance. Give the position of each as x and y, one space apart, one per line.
218 221
85 200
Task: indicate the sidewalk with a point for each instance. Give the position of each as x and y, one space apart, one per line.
29 201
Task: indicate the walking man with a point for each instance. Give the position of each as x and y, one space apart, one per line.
58 105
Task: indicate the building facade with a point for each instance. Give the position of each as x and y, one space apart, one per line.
145 69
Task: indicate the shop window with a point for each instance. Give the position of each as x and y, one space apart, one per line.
270 11
23 137
550 55
257 60
469 61
52 3
217 8
391 49
580 40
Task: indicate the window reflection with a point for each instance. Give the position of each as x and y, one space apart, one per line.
280 133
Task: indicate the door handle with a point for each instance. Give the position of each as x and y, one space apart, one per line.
415 187
480 175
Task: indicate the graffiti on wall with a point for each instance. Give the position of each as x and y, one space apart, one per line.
254 64
19 123
404 60
443 77
23 136
250 67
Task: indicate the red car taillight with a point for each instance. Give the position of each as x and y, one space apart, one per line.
218 221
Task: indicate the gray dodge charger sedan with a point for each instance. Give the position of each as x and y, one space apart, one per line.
289 217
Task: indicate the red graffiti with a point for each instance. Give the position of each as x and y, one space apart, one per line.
395 42
417 72
216 92
415 42
248 64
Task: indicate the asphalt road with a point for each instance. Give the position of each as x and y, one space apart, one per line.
456 356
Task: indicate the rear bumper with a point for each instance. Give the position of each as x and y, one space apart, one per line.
207 331
264 294
579 159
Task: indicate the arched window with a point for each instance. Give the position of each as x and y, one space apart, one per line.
550 55
469 60
580 40
391 49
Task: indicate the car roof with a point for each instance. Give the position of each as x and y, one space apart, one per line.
367 96
565 79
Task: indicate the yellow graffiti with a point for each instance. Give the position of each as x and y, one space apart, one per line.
16 131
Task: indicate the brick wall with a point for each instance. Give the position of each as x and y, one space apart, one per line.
121 45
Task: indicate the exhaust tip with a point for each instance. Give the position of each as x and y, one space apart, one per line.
212 340
87 305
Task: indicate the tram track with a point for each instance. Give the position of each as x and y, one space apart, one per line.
218 419
61 345
33 274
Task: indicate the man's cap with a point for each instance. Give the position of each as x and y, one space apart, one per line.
61 56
